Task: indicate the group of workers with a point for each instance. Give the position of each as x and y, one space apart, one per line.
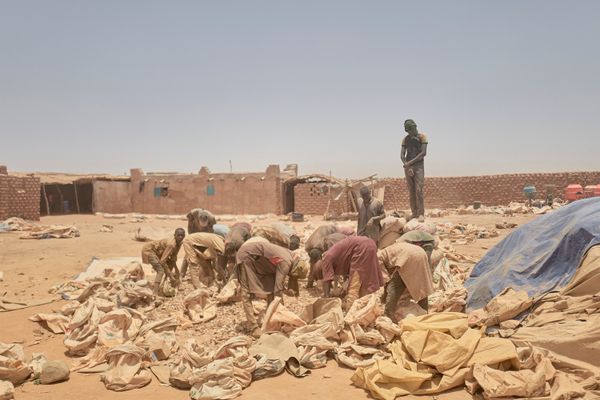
267 261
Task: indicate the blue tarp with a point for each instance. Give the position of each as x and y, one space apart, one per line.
539 256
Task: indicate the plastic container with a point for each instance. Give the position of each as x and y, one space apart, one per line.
297 217
529 192
573 192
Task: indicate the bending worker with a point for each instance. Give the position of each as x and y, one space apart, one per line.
408 267
204 255
355 259
263 268
162 255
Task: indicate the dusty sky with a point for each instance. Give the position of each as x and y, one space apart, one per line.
103 86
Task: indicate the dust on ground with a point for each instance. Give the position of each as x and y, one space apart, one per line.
32 267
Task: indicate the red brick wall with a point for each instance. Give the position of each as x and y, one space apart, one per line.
231 193
310 198
449 192
19 197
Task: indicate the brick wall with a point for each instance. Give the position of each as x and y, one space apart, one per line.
310 198
449 192
221 193
19 197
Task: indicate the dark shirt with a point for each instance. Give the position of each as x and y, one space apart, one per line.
414 145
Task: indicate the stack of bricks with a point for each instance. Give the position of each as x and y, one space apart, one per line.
451 192
19 197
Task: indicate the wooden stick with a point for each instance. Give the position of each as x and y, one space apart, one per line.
76 198
327 209
62 199
46 198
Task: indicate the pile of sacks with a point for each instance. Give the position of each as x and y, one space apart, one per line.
566 321
109 328
35 231
18 224
14 369
463 234
512 208
438 352
450 293
106 327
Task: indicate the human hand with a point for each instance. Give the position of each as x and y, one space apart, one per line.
280 295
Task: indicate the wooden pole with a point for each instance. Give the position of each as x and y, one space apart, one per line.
46 199
94 198
76 198
327 209
62 204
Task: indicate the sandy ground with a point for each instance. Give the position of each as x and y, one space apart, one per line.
32 267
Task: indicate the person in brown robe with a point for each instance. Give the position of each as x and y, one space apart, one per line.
238 234
199 220
162 255
354 258
408 267
262 269
202 252
278 233
319 242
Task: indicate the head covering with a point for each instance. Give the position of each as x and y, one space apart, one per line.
299 269
315 255
364 190
294 242
410 123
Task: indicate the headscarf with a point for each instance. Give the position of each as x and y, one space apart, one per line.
409 123
315 255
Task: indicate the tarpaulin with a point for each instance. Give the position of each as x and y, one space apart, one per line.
539 256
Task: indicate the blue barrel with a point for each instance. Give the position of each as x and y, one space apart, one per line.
529 191
66 207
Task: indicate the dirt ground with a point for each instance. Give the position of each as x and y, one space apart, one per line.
32 267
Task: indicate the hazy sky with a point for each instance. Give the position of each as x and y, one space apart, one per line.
107 85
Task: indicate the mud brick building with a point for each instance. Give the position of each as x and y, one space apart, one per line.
19 196
273 191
